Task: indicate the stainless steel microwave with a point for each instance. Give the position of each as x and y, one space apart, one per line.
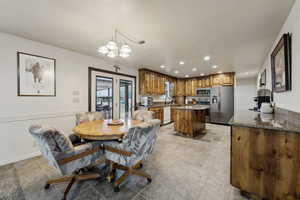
203 92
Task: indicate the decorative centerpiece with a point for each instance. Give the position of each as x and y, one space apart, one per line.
115 122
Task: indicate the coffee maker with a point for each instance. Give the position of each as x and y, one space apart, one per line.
263 96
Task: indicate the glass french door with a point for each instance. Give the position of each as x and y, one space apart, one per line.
112 94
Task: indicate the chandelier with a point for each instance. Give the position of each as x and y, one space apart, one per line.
118 46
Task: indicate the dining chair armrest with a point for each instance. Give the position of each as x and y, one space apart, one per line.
79 152
117 150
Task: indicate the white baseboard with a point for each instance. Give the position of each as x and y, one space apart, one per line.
16 159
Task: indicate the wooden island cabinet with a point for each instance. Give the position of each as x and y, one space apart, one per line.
190 120
265 156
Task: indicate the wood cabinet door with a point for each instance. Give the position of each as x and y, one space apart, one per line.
200 83
156 84
147 83
207 82
158 113
215 80
162 83
228 79
188 87
194 86
180 87
142 83
173 113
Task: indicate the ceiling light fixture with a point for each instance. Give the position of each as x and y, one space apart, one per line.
207 58
162 66
176 71
194 69
116 47
187 76
202 74
215 66
181 63
220 72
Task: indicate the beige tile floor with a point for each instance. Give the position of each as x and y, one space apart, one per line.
182 169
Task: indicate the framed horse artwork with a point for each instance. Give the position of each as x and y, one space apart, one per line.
36 75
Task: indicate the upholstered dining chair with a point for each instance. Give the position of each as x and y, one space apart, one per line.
135 148
81 118
143 115
66 158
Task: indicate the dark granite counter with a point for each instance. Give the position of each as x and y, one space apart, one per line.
196 107
282 120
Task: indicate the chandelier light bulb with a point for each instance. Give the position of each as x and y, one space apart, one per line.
125 48
124 55
111 54
103 50
207 58
111 45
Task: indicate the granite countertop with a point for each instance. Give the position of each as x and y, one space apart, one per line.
196 107
160 105
282 120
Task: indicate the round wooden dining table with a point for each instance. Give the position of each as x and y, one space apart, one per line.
101 130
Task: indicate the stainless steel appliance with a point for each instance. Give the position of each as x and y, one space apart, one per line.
221 104
203 92
203 95
146 101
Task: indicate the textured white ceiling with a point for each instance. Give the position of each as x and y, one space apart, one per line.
237 34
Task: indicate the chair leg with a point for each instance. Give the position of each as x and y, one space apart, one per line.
57 180
69 187
120 180
141 173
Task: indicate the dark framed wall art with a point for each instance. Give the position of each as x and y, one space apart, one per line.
36 75
281 64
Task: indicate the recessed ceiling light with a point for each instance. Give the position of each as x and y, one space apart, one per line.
187 76
162 66
176 71
207 58
202 74
220 72
194 69
181 63
215 66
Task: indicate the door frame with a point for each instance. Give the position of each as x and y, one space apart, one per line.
131 94
91 69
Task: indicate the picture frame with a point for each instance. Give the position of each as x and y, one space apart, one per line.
281 64
263 78
36 75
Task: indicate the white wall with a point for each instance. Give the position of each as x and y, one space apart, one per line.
288 100
245 90
18 113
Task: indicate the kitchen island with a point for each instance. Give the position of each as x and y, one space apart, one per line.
190 120
265 154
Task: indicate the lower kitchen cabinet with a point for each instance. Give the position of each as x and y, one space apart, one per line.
158 113
173 113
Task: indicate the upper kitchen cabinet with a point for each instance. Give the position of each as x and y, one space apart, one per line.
188 87
180 87
151 83
222 79
204 82
191 86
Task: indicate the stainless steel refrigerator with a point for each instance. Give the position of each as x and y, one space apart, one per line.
221 104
